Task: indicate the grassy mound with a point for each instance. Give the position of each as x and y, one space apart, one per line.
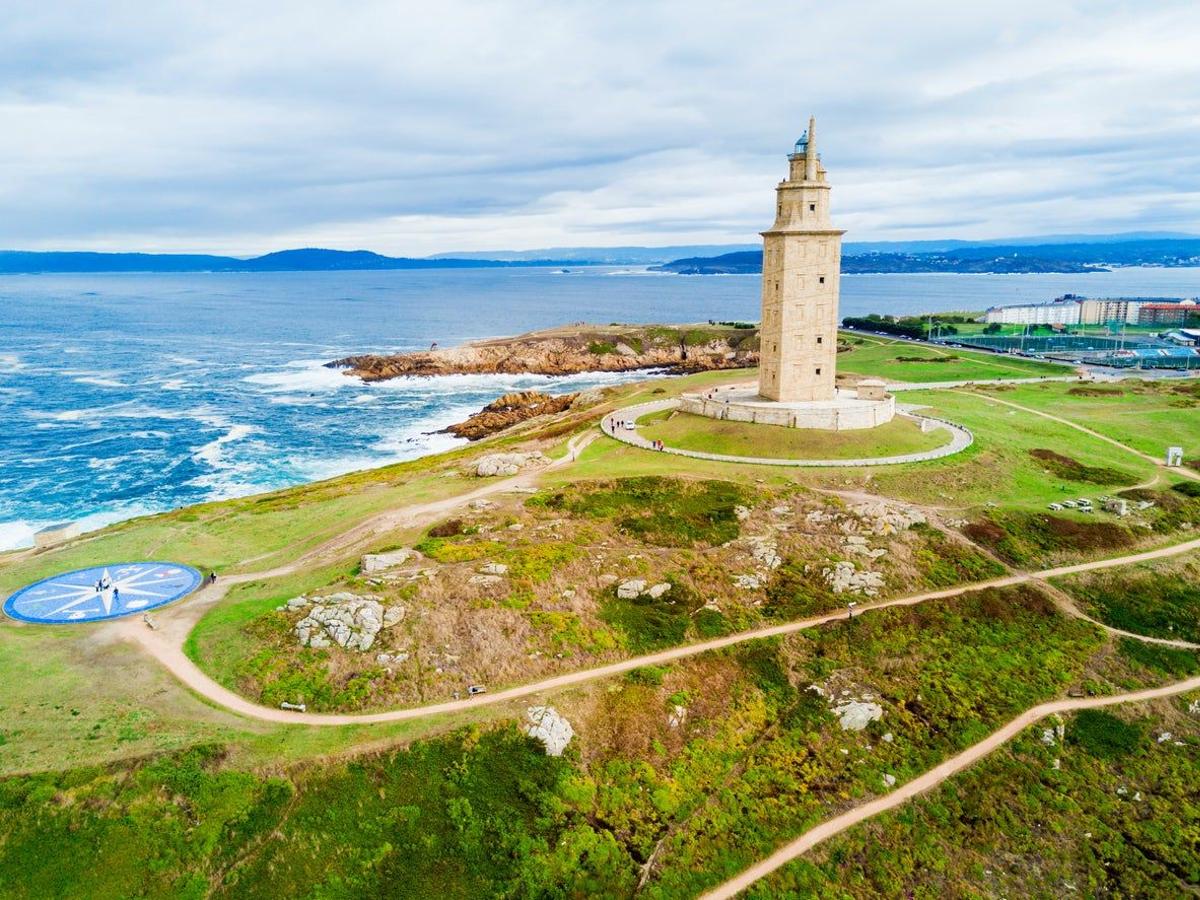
666 512
699 433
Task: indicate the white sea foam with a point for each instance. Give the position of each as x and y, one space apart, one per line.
302 375
100 381
10 362
16 535
213 453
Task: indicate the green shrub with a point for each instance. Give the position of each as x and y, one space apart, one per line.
1166 660
1104 735
650 623
652 676
1073 470
1156 604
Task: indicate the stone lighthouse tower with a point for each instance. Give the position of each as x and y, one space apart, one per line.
802 256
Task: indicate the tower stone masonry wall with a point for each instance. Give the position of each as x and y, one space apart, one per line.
802 256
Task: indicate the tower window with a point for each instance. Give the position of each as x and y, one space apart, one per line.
821 279
818 339
812 207
818 370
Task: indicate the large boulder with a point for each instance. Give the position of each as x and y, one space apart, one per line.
348 620
506 411
506 464
381 562
545 724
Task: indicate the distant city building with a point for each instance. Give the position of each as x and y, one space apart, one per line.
1071 309
1101 311
1062 311
1168 313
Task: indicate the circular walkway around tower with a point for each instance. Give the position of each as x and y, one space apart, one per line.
960 439
102 592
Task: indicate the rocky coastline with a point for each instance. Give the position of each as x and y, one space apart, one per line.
509 410
573 350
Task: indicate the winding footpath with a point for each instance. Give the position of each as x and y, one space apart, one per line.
165 643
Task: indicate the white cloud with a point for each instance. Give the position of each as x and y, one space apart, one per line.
415 128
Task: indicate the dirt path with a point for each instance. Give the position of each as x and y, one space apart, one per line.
930 780
166 643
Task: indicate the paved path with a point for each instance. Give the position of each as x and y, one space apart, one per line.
929 780
960 439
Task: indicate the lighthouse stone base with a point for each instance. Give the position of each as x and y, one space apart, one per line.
847 411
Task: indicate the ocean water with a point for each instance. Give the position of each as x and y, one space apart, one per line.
136 393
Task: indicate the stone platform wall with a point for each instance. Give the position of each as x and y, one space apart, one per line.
840 417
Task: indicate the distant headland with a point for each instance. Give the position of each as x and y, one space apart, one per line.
1024 255
974 259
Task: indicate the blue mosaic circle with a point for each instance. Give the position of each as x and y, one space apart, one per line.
102 592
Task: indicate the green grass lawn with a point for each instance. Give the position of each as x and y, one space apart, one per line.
998 467
1146 415
689 432
882 358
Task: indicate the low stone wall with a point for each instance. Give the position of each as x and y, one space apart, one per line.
847 416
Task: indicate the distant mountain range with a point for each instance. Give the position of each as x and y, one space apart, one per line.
308 260
975 258
1059 253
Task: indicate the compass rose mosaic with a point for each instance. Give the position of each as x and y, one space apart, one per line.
102 592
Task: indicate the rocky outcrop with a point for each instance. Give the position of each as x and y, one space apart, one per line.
381 562
843 578
506 411
345 619
508 463
572 350
545 724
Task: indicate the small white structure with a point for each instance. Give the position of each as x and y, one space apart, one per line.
1174 456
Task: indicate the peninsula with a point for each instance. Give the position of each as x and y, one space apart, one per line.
573 349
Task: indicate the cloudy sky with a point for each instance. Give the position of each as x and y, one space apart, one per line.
413 128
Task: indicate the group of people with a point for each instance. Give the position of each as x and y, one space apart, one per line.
104 584
658 445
